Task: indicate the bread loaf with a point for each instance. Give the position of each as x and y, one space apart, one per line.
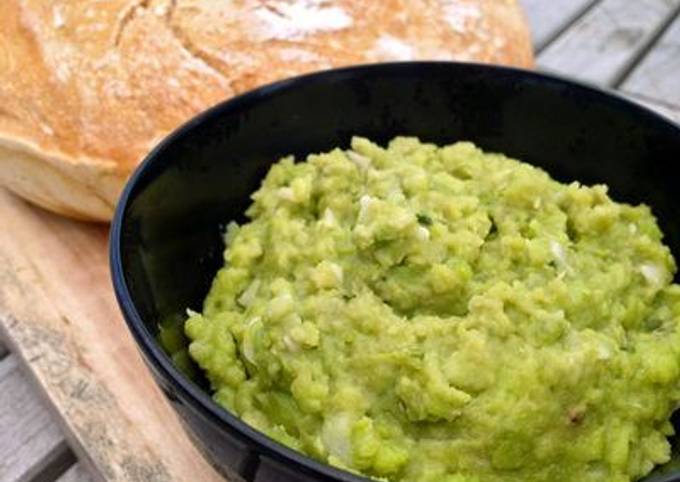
87 88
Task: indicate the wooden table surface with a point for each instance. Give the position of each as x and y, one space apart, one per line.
630 46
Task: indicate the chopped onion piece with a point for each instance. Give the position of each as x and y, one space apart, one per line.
362 162
653 273
248 296
364 204
286 193
422 233
328 218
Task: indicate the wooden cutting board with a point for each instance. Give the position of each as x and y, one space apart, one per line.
58 313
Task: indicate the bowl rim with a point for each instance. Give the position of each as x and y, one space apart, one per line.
193 396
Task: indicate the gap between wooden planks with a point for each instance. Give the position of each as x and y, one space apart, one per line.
32 447
606 42
58 313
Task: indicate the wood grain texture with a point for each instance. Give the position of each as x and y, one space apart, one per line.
59 315
75 474
31 443
548 18
602 45
658 75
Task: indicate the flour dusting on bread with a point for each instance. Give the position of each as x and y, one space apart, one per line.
388 47
291 20
461 16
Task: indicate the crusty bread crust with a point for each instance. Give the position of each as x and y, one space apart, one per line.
88 87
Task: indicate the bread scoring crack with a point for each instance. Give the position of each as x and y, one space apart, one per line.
128 16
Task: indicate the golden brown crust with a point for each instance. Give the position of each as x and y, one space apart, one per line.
87 88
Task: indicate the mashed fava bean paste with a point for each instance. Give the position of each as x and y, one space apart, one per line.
419 313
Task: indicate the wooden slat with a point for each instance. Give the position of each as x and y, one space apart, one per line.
75 474
604 43
31 443
60 316
548 18
658 75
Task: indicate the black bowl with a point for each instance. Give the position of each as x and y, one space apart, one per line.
166 240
